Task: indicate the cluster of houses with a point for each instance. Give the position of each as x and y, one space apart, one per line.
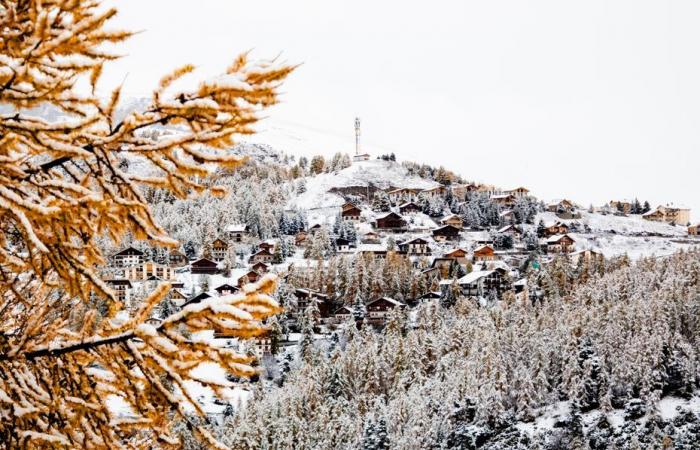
461 259
670 213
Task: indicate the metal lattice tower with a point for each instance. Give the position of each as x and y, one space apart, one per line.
357 135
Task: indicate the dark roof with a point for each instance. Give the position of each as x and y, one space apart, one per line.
226 287
387 300
204 262
119 282
129 251
197 298
446 229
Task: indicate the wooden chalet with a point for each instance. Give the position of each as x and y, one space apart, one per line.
510 229
121 289
481 283
149 270
300 238
432 295
669 214
620 206
458 254
204 266
446 233
350 213
398 196
250 277
262 256
177 296
507 217
416 246
127 257
260 267
306 296
370 238
226 289
694 230
343 314
518 192
342 244
561 206
555 229
409 208
506 200
219 248
437 191
485 253
454 220
177 259
562 243
390 222
197 298
379 309
237 232
376 250
588 255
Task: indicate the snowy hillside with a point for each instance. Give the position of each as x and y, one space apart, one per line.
375 172
616 235
633 225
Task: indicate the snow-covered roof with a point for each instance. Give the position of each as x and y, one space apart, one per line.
482 247
473 277
557 238
506 228
410 241
387 299
479 236
371 248
237 228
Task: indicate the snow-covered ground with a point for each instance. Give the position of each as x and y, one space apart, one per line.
630 225
617 235
667 407
375 172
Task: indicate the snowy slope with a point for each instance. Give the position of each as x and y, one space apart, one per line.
632 225
375 172
617 235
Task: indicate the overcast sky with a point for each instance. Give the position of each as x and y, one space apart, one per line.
587 100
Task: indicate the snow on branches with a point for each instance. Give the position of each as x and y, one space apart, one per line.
64 343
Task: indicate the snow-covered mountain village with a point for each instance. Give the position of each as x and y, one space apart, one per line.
223 256
355 237
359 240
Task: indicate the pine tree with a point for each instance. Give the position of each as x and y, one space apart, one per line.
65 186
318 164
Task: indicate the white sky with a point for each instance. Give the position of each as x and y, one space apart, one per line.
588 100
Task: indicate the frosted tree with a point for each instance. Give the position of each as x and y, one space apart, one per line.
68 343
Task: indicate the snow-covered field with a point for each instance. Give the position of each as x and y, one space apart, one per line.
375 172
617 235
667 408
630 225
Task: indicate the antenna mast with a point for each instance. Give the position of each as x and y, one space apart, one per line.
357 135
